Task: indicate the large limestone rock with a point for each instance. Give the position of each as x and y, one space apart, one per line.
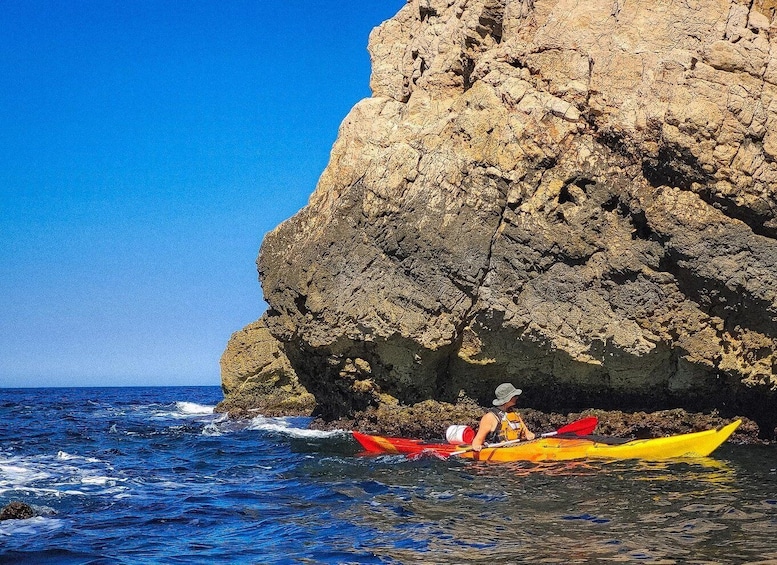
578 197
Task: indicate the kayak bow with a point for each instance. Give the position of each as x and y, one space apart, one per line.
381 444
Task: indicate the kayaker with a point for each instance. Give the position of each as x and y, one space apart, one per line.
502 423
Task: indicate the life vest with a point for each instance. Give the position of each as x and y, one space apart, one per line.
510 427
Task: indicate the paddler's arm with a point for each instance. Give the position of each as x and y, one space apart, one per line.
527 435
487 425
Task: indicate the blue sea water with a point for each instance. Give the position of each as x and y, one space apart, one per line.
153 475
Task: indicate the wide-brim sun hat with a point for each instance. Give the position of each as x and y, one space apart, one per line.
504 393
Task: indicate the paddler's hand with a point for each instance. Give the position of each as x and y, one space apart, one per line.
477 446
530 435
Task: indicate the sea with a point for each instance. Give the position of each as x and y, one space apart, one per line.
154 475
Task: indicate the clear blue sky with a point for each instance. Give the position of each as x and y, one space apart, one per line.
146 147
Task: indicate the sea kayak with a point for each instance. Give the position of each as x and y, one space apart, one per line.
562 448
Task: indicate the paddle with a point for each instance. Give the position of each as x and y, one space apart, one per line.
581 427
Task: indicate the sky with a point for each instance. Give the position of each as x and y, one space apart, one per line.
146 147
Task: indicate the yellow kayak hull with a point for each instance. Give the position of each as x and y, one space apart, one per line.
697 444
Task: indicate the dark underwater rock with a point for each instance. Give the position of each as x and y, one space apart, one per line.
17 510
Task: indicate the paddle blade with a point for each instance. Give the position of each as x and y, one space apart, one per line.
580 427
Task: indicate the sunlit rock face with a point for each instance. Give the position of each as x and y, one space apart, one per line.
578 197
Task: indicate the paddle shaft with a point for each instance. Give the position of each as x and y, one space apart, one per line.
581 427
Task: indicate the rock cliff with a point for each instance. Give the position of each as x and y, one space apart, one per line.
578 197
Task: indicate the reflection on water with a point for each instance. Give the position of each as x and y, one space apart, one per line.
699 511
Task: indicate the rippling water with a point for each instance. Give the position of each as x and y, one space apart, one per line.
152 475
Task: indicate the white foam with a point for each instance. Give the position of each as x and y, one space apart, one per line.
194 408
58 475
97 480
64 456
211 430
30 491
19 475
183 409
32 526
286 426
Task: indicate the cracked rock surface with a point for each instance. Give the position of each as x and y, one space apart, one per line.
578 197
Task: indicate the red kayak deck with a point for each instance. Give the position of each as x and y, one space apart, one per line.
381 444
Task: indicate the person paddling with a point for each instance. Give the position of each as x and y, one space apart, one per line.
502 423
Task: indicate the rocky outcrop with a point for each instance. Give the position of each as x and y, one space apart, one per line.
16 510
256 376
430 419
580 198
